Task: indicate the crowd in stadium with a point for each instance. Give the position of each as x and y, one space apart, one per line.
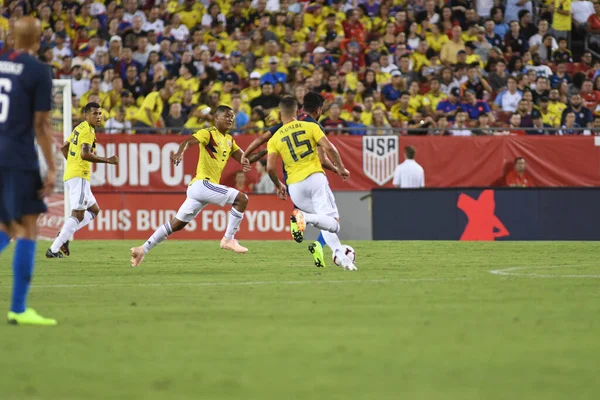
459 67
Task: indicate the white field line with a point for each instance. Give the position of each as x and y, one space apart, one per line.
247 283
513 272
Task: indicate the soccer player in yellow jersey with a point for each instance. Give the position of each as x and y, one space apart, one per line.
296 143
79 153
216 147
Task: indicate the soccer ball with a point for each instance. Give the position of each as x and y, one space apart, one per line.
350 253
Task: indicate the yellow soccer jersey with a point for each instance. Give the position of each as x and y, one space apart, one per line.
296 143
76 166
155 104
215 150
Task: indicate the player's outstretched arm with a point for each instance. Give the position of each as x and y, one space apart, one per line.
237 156
88 155
272 171
334 154
65 149
183 146
43 133
256 143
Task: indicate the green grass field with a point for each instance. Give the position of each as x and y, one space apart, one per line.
419 320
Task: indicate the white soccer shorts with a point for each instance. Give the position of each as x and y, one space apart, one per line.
80 194
314 196
202 193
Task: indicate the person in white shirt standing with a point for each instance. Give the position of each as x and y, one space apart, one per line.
409 174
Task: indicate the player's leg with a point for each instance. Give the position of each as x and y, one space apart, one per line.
303 194
187 212
221 195
26 209
324 206
4 237
79 197
88 216
236 215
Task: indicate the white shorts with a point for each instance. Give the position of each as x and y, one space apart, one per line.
314 196
80 194
202 193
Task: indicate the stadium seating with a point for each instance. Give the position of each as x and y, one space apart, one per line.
248 53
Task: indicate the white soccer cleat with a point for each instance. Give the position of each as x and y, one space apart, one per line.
137 256
346 263
233 245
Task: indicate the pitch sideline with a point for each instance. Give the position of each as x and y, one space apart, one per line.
511 272
245 283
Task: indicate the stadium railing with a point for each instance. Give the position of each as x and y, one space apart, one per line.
382 131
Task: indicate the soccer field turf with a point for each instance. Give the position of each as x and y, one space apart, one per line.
419 320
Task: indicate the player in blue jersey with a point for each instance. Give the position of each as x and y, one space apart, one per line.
313 106
25 105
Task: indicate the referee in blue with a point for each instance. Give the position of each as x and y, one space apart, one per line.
25 105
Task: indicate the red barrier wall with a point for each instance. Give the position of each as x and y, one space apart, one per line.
448 161
133 216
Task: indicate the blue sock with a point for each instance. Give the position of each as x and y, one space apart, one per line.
321 239
4 240
22 271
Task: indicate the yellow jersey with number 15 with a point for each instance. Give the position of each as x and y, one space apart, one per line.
76 166
215 150
296 142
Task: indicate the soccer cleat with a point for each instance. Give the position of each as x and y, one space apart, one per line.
137 256
29 317
346 262
316 250
50 254
65 249
233 245
297 225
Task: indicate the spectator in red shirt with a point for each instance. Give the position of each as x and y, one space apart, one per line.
519 177
590 97
593 23
353 28
355 56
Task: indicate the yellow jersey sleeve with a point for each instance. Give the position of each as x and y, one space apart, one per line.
234 146
85 136
203 136
317 133
272 147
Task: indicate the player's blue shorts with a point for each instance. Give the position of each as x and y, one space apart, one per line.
19 194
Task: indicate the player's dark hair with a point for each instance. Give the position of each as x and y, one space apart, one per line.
312 102
89 107
288 105
519 159
222 109
410 152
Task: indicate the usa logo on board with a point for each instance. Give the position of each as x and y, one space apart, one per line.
380 158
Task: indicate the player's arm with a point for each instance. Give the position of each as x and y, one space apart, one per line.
237 156
334 155
88 155
325 162
183 146
43 133
272 171
65 149
256 143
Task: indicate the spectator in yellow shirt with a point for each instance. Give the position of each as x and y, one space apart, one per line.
451 48
191 14
149 114
562 20
252 91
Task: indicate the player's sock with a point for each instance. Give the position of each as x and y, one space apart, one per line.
321 239
158 236
235 219
4 240
87 218
322 222
22 271
332 240
68 229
